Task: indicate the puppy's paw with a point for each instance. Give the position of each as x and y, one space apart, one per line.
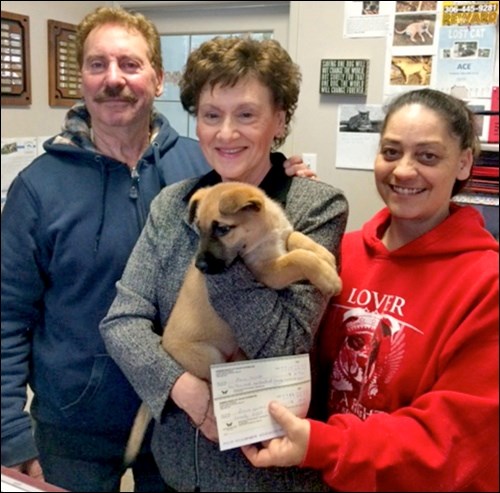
331 283
327 257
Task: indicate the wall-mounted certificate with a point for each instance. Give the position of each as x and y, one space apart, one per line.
242 391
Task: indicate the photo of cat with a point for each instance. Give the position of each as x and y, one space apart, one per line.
411 70
360 121
465 49
411 30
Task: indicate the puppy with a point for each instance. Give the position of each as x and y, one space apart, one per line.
234 220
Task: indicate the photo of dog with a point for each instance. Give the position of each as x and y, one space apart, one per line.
411 70
235 221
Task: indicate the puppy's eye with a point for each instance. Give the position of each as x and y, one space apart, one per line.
221 229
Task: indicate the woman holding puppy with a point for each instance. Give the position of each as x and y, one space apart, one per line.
243 93
408 353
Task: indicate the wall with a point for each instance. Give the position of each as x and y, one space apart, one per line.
39 119
316 32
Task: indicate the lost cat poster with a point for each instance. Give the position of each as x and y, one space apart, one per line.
466 60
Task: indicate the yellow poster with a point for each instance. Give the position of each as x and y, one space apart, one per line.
470 13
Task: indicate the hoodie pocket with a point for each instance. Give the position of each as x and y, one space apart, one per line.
97 376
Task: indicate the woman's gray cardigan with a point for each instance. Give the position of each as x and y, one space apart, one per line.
266 323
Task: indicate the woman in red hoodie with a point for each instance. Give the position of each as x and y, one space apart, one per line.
407 360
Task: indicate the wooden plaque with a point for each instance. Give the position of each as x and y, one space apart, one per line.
15 54
64 72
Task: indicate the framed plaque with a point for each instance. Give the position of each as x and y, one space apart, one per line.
15 53
64 73
344 77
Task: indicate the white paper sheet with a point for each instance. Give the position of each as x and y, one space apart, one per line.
17 153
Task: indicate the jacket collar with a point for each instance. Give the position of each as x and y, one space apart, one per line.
276 183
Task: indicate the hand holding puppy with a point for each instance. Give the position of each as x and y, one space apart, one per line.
193 395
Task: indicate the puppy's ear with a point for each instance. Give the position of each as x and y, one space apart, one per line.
194 202
193 205
235 201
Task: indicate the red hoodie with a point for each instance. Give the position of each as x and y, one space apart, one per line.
408 363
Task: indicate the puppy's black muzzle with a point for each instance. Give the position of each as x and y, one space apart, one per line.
209 264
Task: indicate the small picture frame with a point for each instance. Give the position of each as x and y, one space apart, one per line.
15 55
64 72
344 76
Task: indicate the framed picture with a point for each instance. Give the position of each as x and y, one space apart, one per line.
15 53
343 76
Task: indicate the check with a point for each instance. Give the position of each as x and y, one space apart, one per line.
242 391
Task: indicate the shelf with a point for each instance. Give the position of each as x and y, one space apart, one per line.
486 146
479 198
476 199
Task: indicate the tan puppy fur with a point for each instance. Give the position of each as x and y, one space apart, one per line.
235 220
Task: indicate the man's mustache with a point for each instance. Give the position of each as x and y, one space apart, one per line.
111 93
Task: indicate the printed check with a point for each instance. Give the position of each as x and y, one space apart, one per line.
242 391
